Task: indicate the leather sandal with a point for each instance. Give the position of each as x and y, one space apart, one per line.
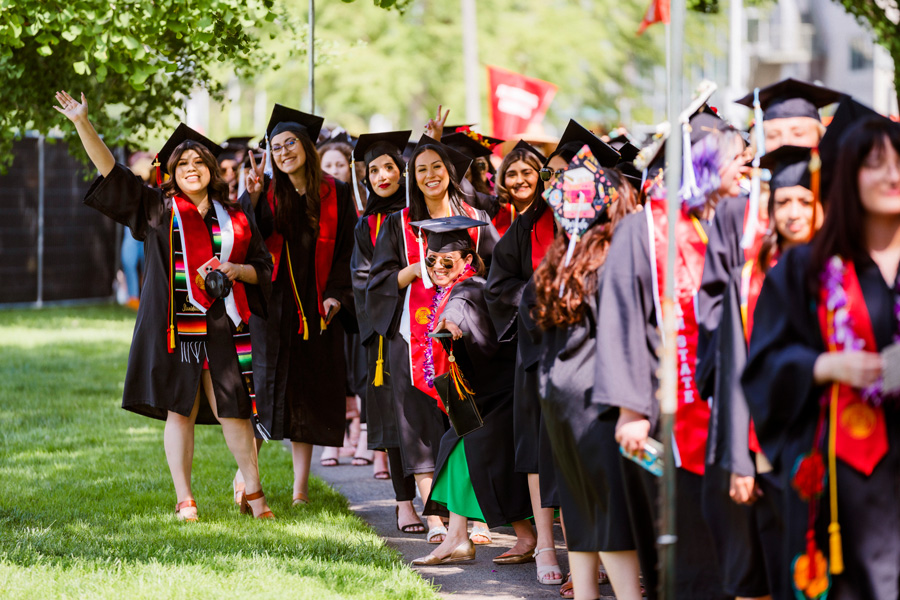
434 532
190 503
543 573
245 505
480 530
300 499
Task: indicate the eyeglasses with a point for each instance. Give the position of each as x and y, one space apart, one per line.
445 261
546 173
277 148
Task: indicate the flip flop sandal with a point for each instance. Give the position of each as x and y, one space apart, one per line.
329 462
434 532
409 527
383 475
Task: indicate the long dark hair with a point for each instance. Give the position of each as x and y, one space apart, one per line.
516 155
418 211
842 232
217 188
580 277
287 196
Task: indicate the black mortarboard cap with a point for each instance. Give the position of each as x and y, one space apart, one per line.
789 166
233 144
466 144
575 136
370 146
449 233
627 151
523 145
183 133
704 123
792 98
289 119
631 173
461 162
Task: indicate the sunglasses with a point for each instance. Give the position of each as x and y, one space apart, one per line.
546 173
445 262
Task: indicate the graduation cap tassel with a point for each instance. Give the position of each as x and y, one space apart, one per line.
407 187
836 556
359 205
753 222
158 171
379 364
815 179
689 187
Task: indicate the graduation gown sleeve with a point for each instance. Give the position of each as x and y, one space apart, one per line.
507 277
339 285
723 255
137 206
360 266
627 331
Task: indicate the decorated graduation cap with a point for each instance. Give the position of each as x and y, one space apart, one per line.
575 136
792 98
289 119
370 146
181 134
448 234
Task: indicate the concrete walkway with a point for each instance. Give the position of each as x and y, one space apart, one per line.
372 500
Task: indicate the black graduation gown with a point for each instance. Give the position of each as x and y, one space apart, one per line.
627 342
156 381
747 538
301 384
420 423
510 271
784 403
582 437
489 203
723 255
382 425
490 454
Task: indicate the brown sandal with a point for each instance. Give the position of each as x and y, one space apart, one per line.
183 505
245 505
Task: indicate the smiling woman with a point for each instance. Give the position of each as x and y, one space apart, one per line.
189 359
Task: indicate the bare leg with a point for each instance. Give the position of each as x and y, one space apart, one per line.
624 572
178 440
302 455
238 476
380 463
423 482
584 567
525 539
543 523
457 534
240 440
406 514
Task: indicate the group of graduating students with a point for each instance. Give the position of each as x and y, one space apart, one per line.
787 309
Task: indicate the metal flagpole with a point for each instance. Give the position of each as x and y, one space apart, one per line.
470 61
312 57
669 377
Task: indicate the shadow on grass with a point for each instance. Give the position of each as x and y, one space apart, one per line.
86 484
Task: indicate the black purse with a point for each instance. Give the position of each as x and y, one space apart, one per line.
457 395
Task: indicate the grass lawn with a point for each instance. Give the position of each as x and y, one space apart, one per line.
87 504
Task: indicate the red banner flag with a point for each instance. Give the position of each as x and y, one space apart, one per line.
657 12
517 101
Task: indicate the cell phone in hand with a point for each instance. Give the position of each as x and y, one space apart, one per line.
890 369
210 265
650 458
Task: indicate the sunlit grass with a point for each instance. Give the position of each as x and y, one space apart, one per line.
86 501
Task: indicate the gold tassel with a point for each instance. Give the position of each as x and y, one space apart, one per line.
379 364
322 324
836 562
305 327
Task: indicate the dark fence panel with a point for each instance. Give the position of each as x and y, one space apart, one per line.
79 244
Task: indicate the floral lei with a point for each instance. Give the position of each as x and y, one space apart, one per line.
439 295
843 336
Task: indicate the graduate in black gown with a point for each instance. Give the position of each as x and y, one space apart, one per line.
813 379
381 153
628 339
189 359
509 300
741 491
477 183
307 219
518 181
398 304
581 433
474 476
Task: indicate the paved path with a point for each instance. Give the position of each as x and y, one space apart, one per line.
372 500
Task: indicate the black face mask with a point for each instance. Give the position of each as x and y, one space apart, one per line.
217 284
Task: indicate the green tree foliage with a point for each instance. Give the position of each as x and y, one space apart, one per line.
883 17
401 65
134 59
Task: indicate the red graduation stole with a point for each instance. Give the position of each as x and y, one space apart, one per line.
325 242
503 220
542 234
420 302
375 226
861 432
692 414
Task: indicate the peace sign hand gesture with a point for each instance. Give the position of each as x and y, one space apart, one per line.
75 111
435 127
255 177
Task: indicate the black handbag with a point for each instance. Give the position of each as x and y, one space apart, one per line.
458 397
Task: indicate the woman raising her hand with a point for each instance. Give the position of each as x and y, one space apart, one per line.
190 355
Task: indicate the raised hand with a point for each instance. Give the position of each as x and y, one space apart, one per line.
75 111
435 126
254 182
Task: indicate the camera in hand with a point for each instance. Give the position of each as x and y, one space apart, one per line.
217 284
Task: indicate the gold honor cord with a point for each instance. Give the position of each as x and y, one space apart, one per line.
378 381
